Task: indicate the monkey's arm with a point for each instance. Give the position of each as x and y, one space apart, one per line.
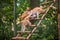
24 15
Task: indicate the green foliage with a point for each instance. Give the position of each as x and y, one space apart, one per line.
6 16
21 6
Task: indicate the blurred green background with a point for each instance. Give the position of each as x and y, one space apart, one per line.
48 29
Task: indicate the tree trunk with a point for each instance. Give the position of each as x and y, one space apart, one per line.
59 6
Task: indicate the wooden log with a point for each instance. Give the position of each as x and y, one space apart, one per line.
59 26
24 32
19 38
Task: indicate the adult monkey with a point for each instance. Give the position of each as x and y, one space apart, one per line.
34 13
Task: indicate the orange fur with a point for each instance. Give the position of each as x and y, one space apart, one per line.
24 15
38 9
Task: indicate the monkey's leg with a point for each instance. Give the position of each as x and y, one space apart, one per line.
29 23
23 28
38 15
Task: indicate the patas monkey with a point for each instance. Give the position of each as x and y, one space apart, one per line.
34 14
